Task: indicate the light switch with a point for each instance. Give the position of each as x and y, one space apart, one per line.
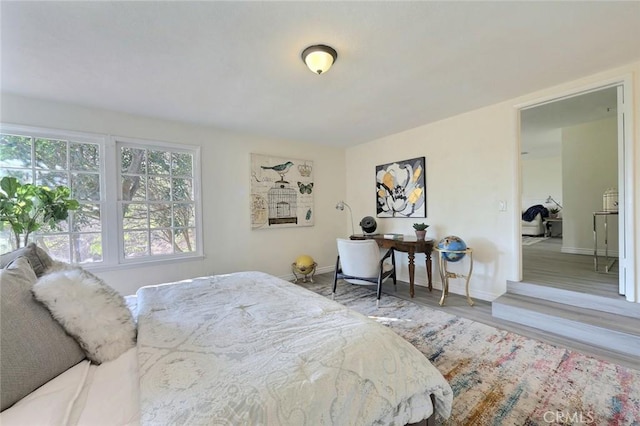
502 206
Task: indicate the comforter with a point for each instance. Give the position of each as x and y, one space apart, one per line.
249 348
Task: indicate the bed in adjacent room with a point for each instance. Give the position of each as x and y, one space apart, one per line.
244 348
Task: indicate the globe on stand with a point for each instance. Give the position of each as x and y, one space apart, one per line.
304 265
454 243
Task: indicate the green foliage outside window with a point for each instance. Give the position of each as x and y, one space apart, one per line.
26 208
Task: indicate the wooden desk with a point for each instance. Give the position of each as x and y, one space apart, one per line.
411 246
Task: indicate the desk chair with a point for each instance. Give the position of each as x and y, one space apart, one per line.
360 262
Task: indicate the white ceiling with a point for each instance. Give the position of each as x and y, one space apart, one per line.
542 125
237 65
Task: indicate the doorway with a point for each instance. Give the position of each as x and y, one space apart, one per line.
572 153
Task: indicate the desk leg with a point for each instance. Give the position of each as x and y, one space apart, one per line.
412 271
428 257
595 245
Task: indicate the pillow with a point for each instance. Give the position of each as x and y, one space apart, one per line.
34 348
91 311
39 259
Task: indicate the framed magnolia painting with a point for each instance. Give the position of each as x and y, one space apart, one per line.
400 189
281 192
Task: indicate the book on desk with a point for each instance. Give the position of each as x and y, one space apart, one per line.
394 236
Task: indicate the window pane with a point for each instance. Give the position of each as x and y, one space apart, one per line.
134 188
185 240
182 164
15 151
159 162
135 244
84 156
60 227
85 186
161 241
7 241
182 189
87 248
51 154
159 189
133 160
58 246
135 216
52 179
184 215
160 215
24 176
86 218
166 188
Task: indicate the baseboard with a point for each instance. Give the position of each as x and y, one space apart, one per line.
587 251
323 270
456 286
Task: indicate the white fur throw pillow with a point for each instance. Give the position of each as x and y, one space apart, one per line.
89 310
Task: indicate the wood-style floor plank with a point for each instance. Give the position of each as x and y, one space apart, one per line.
543 263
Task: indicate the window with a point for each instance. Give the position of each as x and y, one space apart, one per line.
154 213
75 163
157 207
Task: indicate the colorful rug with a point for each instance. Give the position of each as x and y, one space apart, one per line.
501 378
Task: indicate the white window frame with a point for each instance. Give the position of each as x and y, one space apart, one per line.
194 150
71 136
110 221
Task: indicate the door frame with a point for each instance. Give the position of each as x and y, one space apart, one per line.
626 157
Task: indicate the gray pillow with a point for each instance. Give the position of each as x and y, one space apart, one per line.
39 259
34 348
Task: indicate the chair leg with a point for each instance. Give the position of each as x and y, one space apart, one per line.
393 263
335 278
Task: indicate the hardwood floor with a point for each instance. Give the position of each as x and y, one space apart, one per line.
481 312
543 263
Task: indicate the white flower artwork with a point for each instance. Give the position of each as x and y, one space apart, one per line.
401 189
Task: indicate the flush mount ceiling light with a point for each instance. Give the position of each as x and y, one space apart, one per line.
319 58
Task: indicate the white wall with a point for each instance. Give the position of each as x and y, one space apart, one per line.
541 177
469 168
473 161
229 243
590 166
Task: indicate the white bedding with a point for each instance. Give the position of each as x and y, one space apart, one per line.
249 348
85 394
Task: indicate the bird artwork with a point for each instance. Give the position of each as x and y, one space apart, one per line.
281 169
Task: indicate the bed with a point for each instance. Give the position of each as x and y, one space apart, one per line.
245 348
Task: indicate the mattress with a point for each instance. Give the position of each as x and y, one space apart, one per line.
86 394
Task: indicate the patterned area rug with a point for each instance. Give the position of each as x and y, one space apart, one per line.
502 378
529 241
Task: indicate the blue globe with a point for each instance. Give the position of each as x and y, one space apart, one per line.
452 242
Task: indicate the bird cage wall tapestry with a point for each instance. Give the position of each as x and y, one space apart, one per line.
281 192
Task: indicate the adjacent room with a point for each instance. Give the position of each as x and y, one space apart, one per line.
319 213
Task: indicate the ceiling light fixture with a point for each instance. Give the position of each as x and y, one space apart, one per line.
319 58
